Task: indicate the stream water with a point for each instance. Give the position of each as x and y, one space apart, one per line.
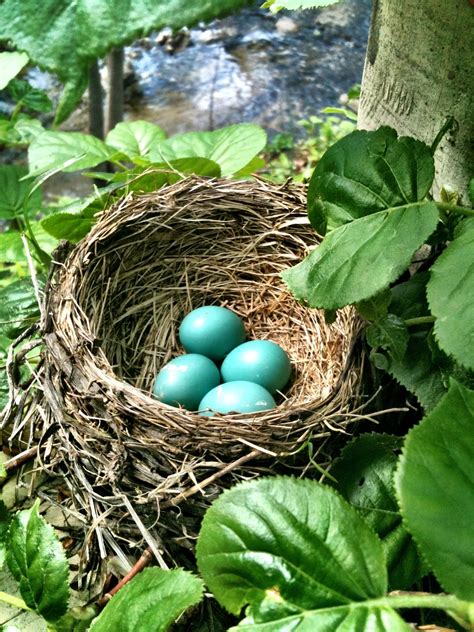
249 67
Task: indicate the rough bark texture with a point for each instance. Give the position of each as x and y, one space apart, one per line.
419 69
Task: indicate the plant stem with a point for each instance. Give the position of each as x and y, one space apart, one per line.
449 603
16 602
96 114
463 210
115 61
449 124
419 320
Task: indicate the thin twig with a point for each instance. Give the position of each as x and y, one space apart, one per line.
21 458
144 560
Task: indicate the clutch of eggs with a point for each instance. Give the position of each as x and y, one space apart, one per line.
251 371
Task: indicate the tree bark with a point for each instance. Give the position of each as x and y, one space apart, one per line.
115 61
418 71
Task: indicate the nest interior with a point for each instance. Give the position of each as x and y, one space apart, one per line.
111 318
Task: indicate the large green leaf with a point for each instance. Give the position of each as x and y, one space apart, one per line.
232 147
10 65
156 176
52 149
434 482
150 602
450 294
365 173
5 520
11 245
36 559
294 550
27 96
65 37
364 474
135 138
423 369
15 192
359 259
18 308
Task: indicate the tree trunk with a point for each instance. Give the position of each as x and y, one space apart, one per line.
418 71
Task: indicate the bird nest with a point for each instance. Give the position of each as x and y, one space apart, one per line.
139 469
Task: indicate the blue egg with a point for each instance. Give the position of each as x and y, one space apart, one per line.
211 331
236 397
260 361
185 380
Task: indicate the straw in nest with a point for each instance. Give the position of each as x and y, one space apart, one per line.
139 469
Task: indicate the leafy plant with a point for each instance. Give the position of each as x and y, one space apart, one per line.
34 556
369 197
301 558
287 158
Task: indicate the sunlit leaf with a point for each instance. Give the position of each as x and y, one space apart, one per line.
450 292
232 147
10 65
135 138
151 601
365 173
359 259
36 559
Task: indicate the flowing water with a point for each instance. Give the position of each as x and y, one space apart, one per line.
249 67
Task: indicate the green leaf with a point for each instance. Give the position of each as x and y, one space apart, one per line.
389 333
450 294
36 559
156 176
29 97
293 550
4 390
50 150
232 147
150 601
360 619
418 371
365 173
251 167
10 65
65 38
375 307
5 520
434 482
359 259
364 472
25 130
292 5
75 84
18 308
15 193
12 249
135 138
471 191
352 116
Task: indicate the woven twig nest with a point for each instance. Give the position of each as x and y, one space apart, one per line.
113 309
